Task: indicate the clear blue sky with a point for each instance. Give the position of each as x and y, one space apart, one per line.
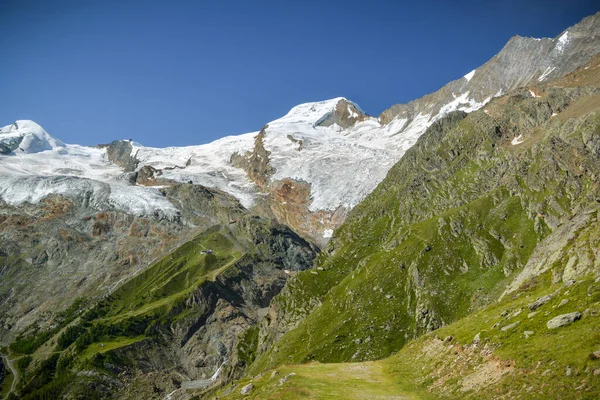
188 72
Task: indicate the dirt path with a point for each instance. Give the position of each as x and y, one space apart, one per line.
14 372
367 380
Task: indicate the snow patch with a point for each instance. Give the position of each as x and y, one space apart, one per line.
309 113
562 42
469 76
327 233
462 103
517 140
546 73
353 114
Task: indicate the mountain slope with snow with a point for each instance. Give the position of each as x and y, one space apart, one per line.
319 160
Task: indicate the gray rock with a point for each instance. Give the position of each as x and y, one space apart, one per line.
247 389
527 334
510 326
570 282
119 153
562 320
346 114
563 302
540 302
285 378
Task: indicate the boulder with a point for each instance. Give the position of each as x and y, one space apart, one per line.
563 302
562 320
510 326
540 302
247 389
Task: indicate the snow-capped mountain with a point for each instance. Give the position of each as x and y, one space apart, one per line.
309 167
39 165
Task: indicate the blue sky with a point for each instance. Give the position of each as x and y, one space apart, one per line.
171 73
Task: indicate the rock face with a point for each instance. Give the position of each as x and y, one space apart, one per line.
149 176
562 320
255 163
62 249
119 152
345 115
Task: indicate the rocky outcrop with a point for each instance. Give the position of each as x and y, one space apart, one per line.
256 163
119 152
345 115
289 201
562 320
149 176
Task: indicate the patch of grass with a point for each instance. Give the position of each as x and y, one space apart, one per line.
323 381
174 276
112 344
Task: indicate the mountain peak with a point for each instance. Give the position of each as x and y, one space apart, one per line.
323 113
26 136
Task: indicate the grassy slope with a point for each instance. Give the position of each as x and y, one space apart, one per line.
502 364
174 277
452 224
371 304
154 296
